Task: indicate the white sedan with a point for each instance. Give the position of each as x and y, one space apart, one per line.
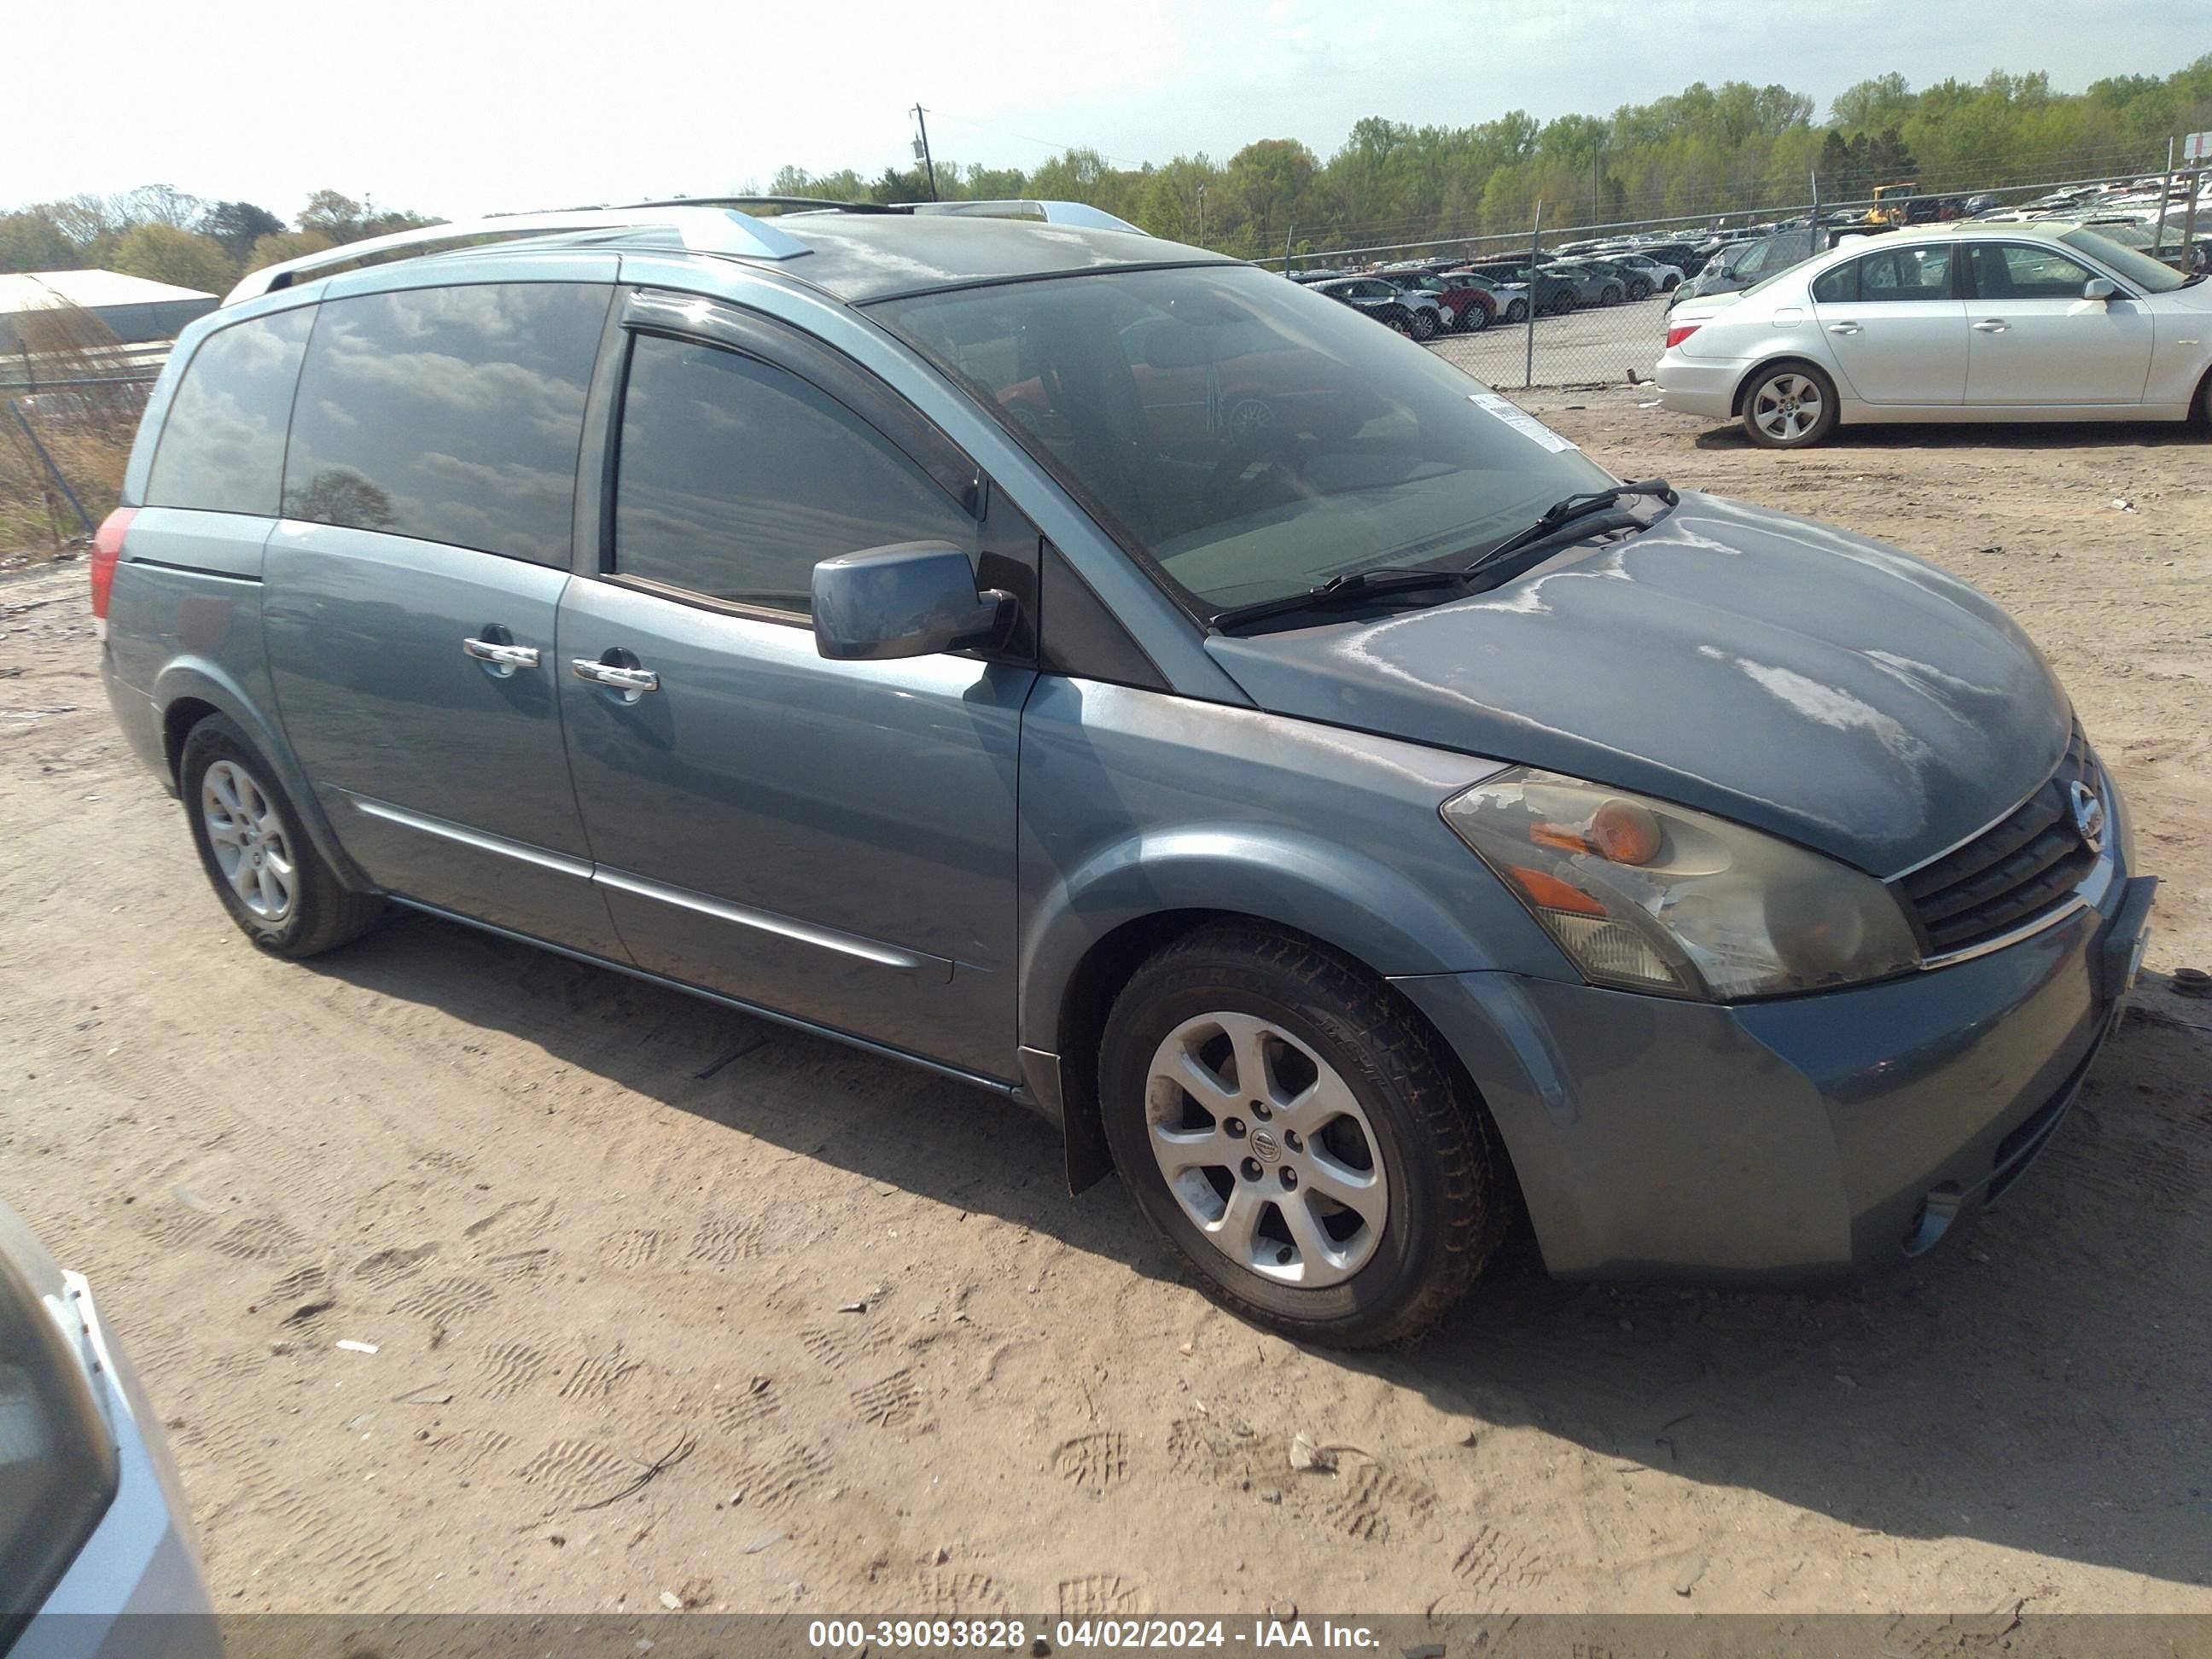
1956 322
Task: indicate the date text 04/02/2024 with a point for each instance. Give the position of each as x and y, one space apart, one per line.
938 1634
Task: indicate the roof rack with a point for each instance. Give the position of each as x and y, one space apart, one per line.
704 229
806 203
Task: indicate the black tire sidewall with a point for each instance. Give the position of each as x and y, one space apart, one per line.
217 739
1411 1239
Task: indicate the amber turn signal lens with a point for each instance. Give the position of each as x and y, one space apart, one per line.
1624 833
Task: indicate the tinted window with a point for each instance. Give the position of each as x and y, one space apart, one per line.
2017 270
736 478
2138 267
223 444
1919 272
448 414
1839 286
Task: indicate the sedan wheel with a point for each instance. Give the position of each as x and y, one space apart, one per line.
1788 408
1517 312
1425 325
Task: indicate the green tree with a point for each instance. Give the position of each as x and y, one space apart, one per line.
30 240
162 254
238 226
330 214
280 246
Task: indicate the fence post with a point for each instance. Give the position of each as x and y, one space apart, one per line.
53 471
2189 219
1529 360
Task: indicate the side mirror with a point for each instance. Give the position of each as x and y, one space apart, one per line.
908 599
2101 288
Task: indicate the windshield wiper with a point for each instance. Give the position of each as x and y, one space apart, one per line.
1353 588
1561 514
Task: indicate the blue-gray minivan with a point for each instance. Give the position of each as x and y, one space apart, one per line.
1105 672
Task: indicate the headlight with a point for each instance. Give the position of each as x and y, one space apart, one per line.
58 1460
1650 896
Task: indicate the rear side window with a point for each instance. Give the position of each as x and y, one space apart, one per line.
223 444
449 415
1839 287
1921 271
735 477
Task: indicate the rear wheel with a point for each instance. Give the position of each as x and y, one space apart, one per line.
256 855
1639 290
1517 312
1396 319
1300 1139
1789 406
1474 318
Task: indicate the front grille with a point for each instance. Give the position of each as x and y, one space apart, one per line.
2026 864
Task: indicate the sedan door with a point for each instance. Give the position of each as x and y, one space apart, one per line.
832 841
2034 340
1894 328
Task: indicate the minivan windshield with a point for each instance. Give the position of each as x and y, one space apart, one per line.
2152 276
1250 439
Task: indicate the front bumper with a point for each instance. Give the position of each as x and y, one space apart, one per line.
1698 385
1792 1141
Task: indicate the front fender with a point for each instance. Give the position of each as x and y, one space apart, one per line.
202 679
1136 805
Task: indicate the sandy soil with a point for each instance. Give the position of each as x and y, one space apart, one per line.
595 1232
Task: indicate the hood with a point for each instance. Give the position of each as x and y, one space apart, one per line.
1782 673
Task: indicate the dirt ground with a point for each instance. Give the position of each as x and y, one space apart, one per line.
599 1233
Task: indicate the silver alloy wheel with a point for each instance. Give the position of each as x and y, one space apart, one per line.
1786 406
1267 1149
250 844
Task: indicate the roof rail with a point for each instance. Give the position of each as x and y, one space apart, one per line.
704 229
1054 213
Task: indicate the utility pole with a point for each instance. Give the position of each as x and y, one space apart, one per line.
921 151
1201 216
1813 225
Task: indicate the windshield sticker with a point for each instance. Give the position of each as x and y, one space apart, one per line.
1520 420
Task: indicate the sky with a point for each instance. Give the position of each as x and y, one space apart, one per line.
454 108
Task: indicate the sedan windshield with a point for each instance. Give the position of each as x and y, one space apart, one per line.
2145 272
1250 439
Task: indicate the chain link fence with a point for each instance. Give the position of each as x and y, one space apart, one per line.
1609 331
65 441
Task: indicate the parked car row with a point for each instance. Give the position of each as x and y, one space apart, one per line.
1428 298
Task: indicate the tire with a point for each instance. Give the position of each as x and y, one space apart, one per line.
1789 405
1475 318
1433 1199
1393 317
1424 323
1610 295
256 851
1517 312
1639 290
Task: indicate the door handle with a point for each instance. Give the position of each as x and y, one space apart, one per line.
500 654
1992 326
632 683
1843 328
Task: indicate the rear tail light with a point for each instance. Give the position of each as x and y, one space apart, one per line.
1678 333
106 550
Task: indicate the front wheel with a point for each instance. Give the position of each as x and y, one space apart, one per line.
1425 325
1474 318
1639 290
258 857
1299 1137
1790 406
1517 312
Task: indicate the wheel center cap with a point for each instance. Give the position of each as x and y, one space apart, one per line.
1264 1146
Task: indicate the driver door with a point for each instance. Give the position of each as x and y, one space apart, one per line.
833 840
2032 339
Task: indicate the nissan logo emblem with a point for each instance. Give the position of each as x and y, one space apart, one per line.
1264 1147
2088 816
